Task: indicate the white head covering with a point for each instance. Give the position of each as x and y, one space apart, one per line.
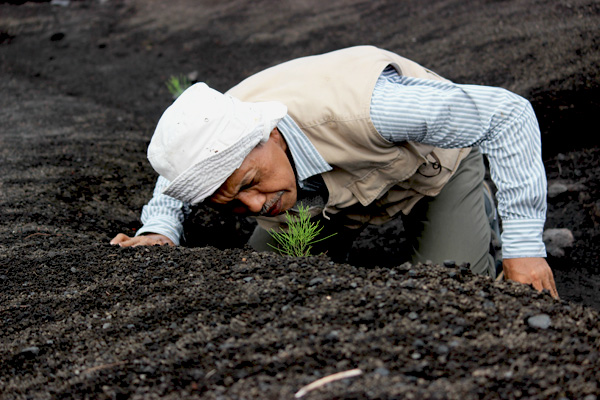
204 136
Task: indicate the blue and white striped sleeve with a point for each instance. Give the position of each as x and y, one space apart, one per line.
163 214
501 123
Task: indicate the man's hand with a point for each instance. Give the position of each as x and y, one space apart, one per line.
531 270
151 239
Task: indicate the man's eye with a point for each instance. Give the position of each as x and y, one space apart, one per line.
247 186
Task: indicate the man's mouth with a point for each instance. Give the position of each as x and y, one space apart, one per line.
272 207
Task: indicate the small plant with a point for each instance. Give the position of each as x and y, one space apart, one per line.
177 85
300 235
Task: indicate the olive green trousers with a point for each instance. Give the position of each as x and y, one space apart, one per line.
453 225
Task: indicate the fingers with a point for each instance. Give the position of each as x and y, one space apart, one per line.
120 238
544 279
142 240
550 284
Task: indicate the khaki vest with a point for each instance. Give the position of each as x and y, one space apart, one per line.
329 97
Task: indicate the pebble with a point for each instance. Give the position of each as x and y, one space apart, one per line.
450 263
413 315
333 335
31 351
315 281
382 371
539 321
556 188
442 349
557 240
106 325
62 3
488 305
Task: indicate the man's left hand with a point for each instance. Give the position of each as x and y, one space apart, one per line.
534 271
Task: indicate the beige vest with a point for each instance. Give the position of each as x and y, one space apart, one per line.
329 97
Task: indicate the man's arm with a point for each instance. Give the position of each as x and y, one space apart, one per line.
162 218
503 125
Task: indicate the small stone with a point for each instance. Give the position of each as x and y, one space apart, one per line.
539 321
30 352
315 281
382 371
489 305
557 188
73 269
450 263
557 240
248 279
442 349
106 325
413 315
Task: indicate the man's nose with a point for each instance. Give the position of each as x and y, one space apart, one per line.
253 201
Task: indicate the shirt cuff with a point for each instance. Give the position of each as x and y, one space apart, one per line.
162 226
523 238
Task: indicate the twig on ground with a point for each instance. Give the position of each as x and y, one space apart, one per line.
40 234
327 379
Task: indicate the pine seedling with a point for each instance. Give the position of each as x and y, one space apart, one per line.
177 85
301 234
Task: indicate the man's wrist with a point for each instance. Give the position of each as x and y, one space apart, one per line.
157 228
523 238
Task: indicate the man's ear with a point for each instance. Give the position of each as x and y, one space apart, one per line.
278 139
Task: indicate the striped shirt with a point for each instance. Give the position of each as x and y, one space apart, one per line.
441 114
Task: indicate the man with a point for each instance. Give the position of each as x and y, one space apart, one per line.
360 134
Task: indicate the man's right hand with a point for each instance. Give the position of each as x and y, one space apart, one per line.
150 239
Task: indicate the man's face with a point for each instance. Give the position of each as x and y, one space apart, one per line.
264 184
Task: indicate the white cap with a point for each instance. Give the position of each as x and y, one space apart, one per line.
204 136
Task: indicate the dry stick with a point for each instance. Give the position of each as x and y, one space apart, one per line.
327 379
500 276
41 234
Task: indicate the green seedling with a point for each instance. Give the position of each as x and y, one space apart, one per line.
300 235
177 85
